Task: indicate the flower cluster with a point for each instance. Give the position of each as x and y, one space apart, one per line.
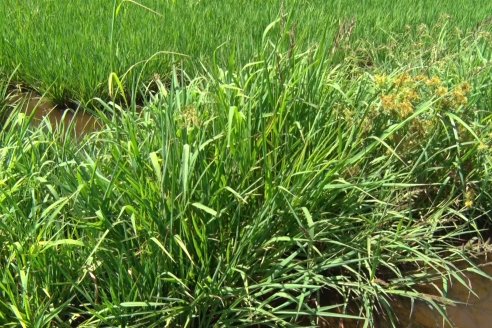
396 98
400 95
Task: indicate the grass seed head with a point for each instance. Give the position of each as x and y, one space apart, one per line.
441 91
380 80
434 81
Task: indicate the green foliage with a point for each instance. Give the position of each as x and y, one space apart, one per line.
70 50
285 191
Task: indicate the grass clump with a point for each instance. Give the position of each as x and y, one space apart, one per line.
287 192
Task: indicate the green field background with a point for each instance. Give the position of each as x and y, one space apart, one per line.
69 48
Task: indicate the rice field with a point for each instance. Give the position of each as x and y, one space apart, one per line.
70 50
254 164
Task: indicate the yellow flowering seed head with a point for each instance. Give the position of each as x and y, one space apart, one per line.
459 97
434 81
190 116
422 28
367 125
420 78
417 126
482 147
373 111
348 115
403 79
446 103
441 91
426 126
469 195
465 87
380 80
411 95
405 109
388 102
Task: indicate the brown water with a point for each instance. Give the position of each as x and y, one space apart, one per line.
473 309
41 108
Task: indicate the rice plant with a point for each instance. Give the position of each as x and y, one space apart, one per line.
286 191
70 50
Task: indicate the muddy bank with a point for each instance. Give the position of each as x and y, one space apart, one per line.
40 108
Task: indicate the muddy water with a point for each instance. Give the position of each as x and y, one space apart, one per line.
473 309
41 108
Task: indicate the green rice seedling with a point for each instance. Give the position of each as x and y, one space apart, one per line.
70 50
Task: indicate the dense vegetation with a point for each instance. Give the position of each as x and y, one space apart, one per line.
70 50
301 178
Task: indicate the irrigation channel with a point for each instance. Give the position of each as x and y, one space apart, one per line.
471 309
473 304
39 108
